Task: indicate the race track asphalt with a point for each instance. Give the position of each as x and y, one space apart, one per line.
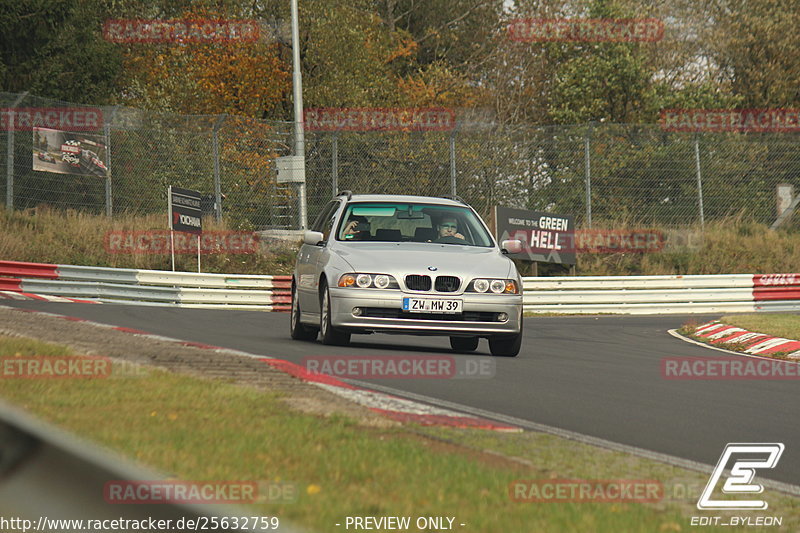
597 376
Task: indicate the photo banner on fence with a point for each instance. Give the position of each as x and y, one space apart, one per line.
65 152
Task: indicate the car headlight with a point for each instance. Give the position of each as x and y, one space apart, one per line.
481 285
497 286
364 280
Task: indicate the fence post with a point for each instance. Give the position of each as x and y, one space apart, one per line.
453 162
10 160
699 181
335 164
588 173
107 134
217 186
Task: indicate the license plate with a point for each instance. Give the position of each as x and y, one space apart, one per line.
431 305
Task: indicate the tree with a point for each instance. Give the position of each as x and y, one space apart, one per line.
754 45
54 49
234 77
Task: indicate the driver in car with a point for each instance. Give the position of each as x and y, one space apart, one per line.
357 228
448 227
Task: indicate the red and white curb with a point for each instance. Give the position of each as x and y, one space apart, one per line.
396 408
390 406
17 295
752 343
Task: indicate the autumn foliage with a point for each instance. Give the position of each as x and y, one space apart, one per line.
233 77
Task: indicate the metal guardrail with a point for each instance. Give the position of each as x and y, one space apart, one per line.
48 475
725 293
149 287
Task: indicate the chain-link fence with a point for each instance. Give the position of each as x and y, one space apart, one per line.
639 174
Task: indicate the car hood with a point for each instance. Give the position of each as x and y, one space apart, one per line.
407 258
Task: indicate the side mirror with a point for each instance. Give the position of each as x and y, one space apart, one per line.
511 246
313 237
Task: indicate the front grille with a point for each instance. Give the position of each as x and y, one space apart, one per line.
447 284
415 282
466 316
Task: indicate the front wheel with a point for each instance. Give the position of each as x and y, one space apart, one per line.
506 346
464 344
330 335
298 331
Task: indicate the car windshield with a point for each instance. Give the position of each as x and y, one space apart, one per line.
412 222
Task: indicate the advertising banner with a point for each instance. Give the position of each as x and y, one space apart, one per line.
546 237
185 213
64 152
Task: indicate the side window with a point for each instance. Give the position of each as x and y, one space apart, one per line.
327 227
322 224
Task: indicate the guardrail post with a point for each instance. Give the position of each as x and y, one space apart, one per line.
699 181
10 153
217 185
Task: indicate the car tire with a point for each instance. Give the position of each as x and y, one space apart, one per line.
297 329
329 334
506 345
464 344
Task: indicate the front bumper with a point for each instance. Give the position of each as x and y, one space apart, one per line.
385 315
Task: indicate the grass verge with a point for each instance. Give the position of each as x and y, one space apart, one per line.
74 238
728 246
197 429
779 325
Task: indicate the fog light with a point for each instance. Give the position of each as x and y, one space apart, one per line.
502 317
357 311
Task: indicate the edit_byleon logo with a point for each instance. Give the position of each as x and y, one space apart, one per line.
747 458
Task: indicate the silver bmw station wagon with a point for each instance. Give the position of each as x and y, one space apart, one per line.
406 264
